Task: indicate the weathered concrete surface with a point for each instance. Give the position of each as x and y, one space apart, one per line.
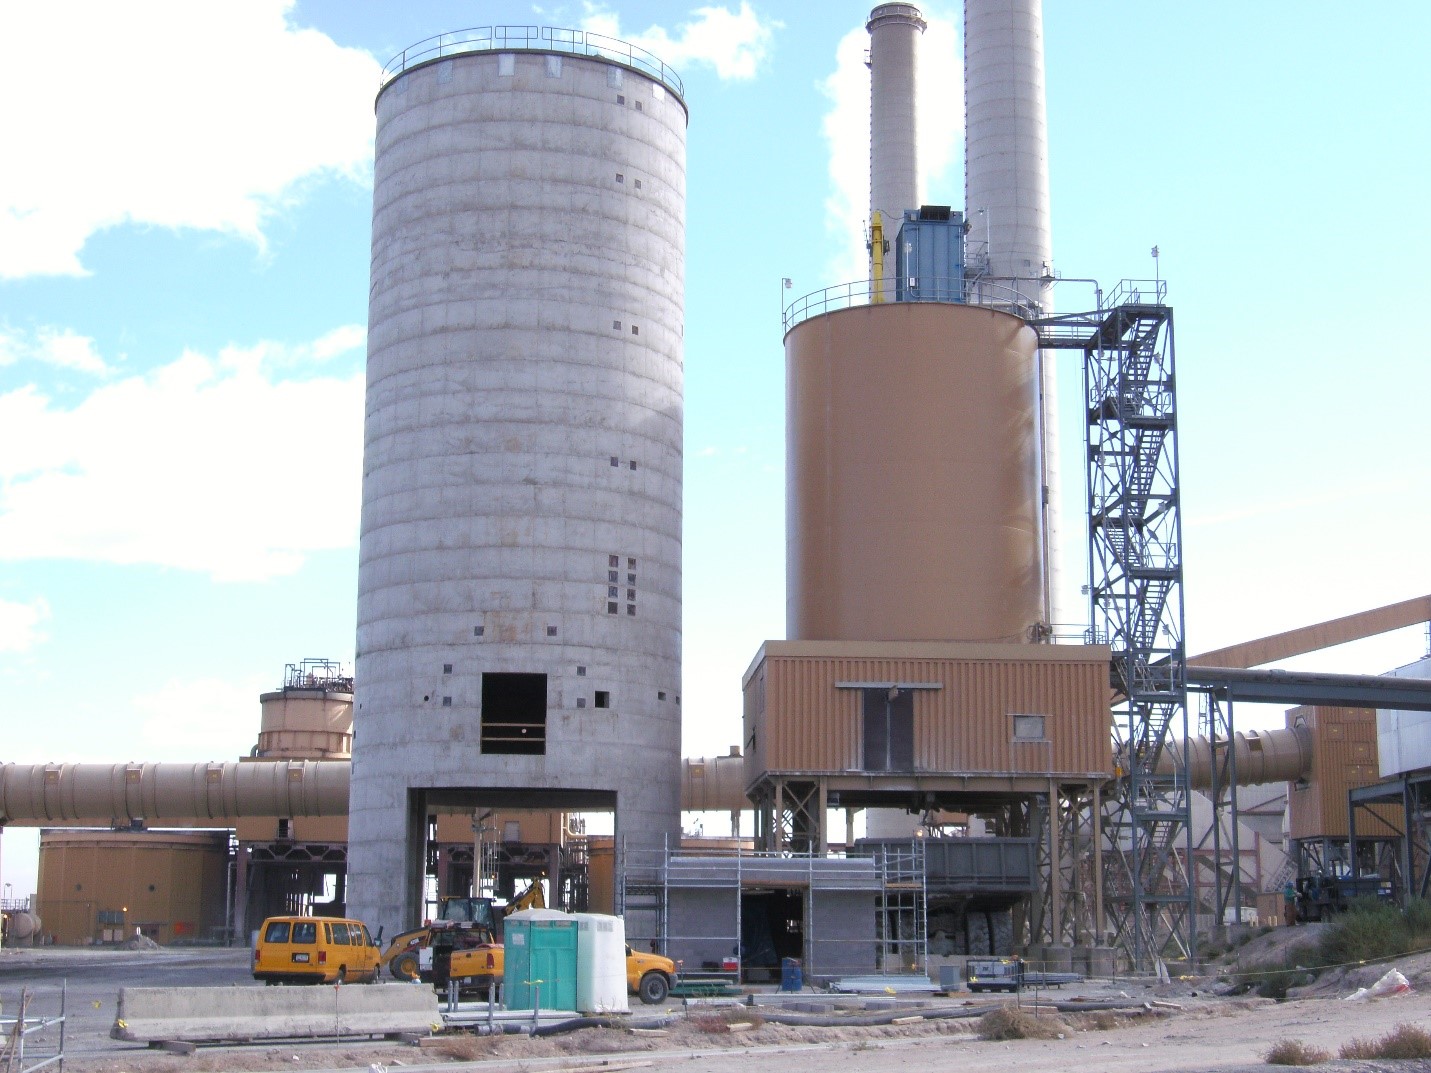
198 1014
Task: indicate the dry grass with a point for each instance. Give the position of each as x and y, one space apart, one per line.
1010 1022
719 1023
1293 1052
1403 1041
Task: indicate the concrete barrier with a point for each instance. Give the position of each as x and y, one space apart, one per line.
204 1014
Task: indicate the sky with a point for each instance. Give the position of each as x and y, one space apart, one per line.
184 221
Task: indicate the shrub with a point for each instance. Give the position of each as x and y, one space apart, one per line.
1367 931
1403 1041
1293 1052
1010 1022
1418 920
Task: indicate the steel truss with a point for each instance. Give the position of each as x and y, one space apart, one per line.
1136 605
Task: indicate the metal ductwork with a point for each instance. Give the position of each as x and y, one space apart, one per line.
215 794
171 795
1258 757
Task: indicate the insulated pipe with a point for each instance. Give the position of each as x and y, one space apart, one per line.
171 795
210 795
1260 757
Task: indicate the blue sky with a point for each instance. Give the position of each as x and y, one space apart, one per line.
184 223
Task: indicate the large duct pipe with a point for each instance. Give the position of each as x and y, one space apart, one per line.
211 795
894 136
171 795
1258 756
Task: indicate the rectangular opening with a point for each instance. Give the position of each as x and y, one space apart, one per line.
514 714
1028 728
888 728
603 699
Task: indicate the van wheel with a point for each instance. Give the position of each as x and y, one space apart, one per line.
404 966
653 989
342 977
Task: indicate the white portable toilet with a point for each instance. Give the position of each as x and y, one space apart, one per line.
600 964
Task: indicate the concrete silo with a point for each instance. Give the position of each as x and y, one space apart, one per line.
519 583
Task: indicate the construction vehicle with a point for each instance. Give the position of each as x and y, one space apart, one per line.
464 923
1012 974
648 976
1321 897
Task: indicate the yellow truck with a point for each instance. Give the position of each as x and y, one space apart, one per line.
648 976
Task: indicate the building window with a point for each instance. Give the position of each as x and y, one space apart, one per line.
888 728
603 699
661 694
631 609
581 702
615 462
1029 728
613 560
630 579
630 564
613 591
630 594
447 668
612 577
620 177
614 77
514 714
612 608
638 184
447 702
581 672
477 631
621 98
551 631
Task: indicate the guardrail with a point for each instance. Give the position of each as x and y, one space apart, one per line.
980 292
533 39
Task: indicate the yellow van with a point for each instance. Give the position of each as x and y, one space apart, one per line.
312 950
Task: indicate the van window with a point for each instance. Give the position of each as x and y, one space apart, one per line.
360 935
340 934
276 932
305 931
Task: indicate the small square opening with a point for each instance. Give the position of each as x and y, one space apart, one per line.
603 699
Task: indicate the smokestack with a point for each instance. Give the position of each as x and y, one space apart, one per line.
1006 136
1006 195
894 142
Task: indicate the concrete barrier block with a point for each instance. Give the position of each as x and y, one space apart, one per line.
206 1014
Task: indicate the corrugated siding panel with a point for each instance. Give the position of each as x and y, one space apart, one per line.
1343 758
966 725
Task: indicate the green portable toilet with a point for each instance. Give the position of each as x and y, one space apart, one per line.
540 960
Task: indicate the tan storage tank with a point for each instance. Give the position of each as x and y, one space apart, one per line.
913 502
98 886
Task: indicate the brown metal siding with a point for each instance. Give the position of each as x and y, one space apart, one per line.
913 499
1343 758
964 726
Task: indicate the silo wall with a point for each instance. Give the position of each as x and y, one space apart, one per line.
522 454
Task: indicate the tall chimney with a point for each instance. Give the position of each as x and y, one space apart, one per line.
1006 194
894 142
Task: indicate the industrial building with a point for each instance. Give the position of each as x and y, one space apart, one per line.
518 656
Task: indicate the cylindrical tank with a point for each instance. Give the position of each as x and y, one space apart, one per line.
912 476
1006 192
306 723
894 131
519 606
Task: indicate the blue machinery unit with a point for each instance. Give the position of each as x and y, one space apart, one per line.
929 255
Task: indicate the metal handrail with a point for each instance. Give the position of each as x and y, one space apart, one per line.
533 39
980 292
1137 292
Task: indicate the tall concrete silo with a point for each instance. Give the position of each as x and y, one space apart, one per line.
519 586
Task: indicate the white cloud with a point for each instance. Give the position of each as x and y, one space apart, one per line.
735 43
60 347
167 113
202 718
847 130
20 624
186 466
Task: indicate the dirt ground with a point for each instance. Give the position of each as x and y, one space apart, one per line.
1183 1026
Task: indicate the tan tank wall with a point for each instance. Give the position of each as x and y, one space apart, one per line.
798 719
306 724
1343 758
172 885
912 474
